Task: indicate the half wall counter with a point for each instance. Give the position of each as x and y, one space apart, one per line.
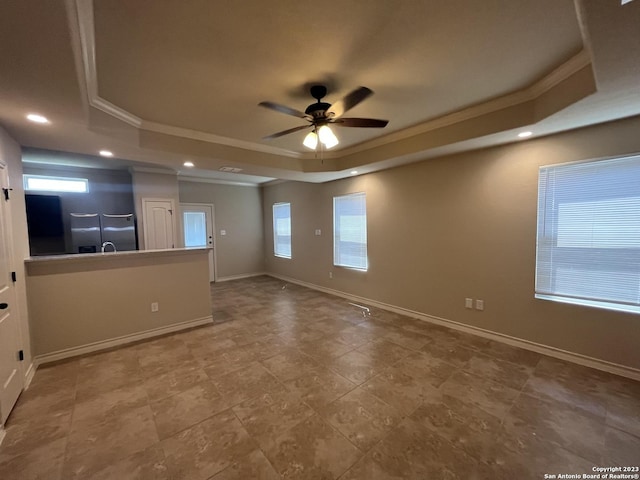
84 303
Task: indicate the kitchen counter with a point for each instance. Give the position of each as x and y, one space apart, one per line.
106 256
40 265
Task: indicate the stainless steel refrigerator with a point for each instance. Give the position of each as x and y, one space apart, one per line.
120 230
85 232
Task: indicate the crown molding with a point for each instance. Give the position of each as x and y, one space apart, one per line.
212 138
561 73
186 178
85 28
532 92
162 171
277 181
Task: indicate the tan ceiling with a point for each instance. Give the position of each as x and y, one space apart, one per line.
159 82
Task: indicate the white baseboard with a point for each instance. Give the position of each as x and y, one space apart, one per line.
31 371
238 277
610 367
115 342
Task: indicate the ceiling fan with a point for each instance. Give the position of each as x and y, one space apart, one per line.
321 114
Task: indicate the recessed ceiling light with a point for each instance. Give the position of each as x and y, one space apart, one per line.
188 164
106 153
34 117
354 172
525 134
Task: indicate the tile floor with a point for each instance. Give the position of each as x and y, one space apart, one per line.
292 383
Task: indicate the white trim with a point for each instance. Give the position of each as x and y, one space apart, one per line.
213 138
162 171
610 367
31 371
277 181
118 341
184 178
3 432
616 307
560 74
76 45
238 277
86 28
115 111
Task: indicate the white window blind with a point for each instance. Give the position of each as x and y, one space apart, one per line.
350 231
588 248
282 230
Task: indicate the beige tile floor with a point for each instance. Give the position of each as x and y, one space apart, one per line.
292 383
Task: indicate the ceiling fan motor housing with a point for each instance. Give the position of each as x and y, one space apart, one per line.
318 110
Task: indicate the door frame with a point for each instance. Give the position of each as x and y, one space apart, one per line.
214 275
145 228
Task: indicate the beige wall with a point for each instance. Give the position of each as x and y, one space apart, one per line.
79 301
10 155
461 226
155 185
238 211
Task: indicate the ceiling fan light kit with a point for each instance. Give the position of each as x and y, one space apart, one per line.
321 114
311 140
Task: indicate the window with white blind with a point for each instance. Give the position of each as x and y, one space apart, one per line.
282 230
588 248
350 231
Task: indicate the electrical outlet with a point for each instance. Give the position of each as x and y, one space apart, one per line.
318 232
479 304
468 303
154 307
330 274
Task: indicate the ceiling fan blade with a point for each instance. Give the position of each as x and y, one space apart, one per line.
361 122
282 109
286 132
348 102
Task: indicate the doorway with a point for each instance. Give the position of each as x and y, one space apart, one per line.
11 376
198 222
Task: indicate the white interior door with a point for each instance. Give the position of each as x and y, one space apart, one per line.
11 377
159 223
198 222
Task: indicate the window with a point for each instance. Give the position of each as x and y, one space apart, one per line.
195 229
55 184
588 248
282 230
350 231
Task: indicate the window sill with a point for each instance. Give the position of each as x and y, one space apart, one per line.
356 269
590 303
